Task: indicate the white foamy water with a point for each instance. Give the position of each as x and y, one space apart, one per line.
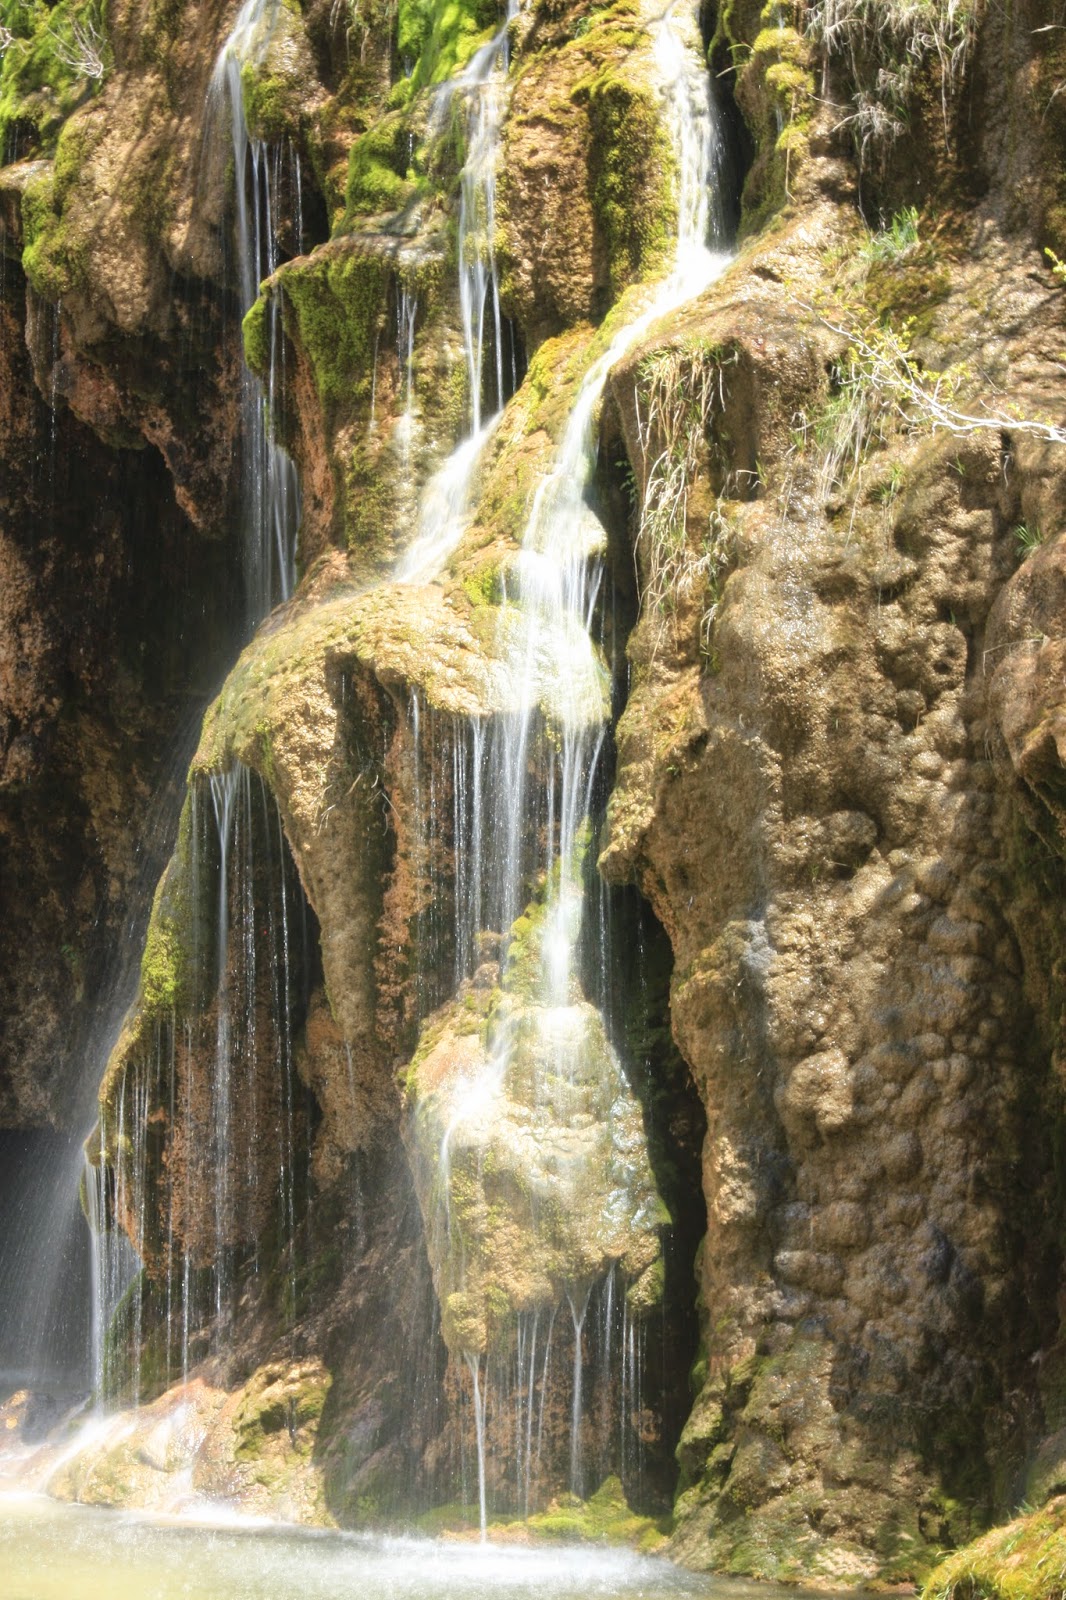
53 1552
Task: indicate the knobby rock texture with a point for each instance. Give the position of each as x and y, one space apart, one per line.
831 490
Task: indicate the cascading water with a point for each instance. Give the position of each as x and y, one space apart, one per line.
479 284
270 494
220 1078
522 797
267 180
445 503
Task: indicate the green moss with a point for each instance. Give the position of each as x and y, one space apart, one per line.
438 37
633 171
161 967
43 257
289 1407
484 585
57 56
338 299
524 966
271 103
368 504
255 331
1025 1560
775 91
452 1518
378 176
605 1518
165 965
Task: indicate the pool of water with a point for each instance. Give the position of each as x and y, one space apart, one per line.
57 1552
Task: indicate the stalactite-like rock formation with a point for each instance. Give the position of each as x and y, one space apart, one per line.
542 906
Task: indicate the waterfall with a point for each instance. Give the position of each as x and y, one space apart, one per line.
445 502
560 568
221 1079
270 494
523 790
479 286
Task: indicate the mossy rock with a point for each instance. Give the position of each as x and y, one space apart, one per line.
604 1518
528 1154
774 86
51 265
280 1408
379 179
436 38
57 57
336 308
1024 1560
634 176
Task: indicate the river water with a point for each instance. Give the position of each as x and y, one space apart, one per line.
58 1552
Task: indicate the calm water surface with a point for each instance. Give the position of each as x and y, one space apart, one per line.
55 1552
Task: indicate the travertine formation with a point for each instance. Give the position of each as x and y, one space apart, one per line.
831 490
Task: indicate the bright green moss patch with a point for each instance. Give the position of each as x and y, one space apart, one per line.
437 37
56 57
165 974
1025 1560
604 1518
633 171
271 103
378 177
48 259
255 331
338 300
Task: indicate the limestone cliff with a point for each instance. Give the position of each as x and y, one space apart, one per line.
823 849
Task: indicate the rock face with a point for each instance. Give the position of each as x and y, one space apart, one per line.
398 1206
529 1160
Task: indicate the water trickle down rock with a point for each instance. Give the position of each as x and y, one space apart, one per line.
528 1154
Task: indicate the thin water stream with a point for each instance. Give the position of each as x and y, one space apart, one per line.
52 1552
446 500
270 491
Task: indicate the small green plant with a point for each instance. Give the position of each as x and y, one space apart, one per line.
1027 539
1058 267
888 491
895 241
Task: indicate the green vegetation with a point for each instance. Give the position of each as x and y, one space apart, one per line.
51 59
1025 1560
437 37
633 172
379 178
271 103
339 301
895 241
773 62
165 964
53 252
678 389
255 331
604 1518
1027 539
285 1411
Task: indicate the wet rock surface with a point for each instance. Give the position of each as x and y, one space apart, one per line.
839 733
